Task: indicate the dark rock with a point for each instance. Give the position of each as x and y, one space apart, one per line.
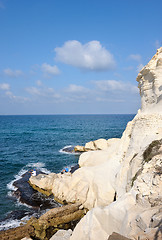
69 149
73 169
117 236
28 195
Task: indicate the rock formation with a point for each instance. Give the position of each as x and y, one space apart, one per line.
121 185
150 84
100 144
43 228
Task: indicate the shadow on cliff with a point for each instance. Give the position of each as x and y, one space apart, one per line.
156 237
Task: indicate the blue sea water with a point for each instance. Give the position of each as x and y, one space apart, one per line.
28 142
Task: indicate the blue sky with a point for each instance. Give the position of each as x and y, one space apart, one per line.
75 57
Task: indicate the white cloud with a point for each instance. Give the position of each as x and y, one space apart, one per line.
50 70
76 89
43 92
12 73
113 85
90 56
135 57
4 86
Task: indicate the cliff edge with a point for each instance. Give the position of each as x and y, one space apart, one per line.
121 185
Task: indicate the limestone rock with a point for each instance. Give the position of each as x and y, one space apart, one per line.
90 146
100 144
62 235
79 148
44 182
133 213
150 84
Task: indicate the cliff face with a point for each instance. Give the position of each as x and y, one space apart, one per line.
128 171
138 180
150 84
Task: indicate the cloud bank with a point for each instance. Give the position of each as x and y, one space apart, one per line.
91 56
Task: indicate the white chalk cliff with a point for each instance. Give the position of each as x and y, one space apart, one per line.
122 184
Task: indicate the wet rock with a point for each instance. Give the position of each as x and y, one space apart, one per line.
28 195
74 168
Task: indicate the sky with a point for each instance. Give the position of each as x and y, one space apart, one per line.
75 57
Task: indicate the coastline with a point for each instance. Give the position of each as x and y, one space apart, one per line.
117 186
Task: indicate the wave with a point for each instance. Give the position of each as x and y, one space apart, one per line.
10 223
39 165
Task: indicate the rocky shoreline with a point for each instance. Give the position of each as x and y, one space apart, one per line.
116 191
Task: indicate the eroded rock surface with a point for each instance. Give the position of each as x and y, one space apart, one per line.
150 84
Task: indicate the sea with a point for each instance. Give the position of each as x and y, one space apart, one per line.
37 141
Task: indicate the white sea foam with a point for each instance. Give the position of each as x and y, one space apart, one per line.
18 203
38 165
10 223
10 185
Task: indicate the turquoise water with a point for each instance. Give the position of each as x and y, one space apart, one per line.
35 142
